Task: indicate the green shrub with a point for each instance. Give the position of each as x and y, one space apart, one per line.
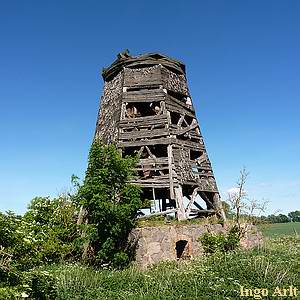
42 285
51 224
111 204
220 242
9 293
45 234
35 284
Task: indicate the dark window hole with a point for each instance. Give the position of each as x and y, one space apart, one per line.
182 249
142 109
194 154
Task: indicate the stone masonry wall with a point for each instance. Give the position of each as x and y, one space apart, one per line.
156 244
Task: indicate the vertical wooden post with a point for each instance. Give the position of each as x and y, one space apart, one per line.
170 163
218 206
181 215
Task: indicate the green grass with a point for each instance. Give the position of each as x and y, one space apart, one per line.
216 276
280 229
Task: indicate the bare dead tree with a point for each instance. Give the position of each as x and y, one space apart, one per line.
242 205
256 207
237 199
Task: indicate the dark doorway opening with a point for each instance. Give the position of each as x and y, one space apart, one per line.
182 249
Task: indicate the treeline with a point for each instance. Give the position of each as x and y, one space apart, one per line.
293 216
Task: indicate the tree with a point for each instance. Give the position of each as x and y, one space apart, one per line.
242 206
281 218
294 216
111 205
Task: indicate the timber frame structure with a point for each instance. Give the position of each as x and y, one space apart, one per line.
146 109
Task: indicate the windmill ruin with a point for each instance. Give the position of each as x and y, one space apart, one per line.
146 110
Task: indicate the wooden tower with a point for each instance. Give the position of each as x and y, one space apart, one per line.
146 109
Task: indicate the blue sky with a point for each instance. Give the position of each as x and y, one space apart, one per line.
243 68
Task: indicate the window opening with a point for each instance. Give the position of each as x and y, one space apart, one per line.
182 249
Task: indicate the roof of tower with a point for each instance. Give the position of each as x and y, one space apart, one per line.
124 59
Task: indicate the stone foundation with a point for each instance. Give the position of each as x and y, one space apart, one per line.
156 244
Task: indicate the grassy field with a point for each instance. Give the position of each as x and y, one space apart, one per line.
280 229
217 276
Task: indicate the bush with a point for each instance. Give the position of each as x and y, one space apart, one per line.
220 242
51 224
45 234
35 284
42 285
111 203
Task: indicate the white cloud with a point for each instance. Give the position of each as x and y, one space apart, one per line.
233 190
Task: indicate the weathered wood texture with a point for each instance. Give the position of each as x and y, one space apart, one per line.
134 78
109 112
147 110
144 95
174 82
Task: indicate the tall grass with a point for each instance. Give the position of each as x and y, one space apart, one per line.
217 276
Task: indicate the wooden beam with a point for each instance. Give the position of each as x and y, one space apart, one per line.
198 206
161 213
206 199
181 215
170 165
192 200
203 212
187 129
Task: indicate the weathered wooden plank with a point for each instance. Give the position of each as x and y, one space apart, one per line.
188 144
186 129
169 211
203 211
158 160
150 185
171 171
144 96
178 106
199 183
178 110
142 76
161 141
151 126
152 168
139 100
154 179
142 120
143 134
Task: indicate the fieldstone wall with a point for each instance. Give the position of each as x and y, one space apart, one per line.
156 244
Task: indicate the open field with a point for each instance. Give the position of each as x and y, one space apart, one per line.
280 229
212 276
217 276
